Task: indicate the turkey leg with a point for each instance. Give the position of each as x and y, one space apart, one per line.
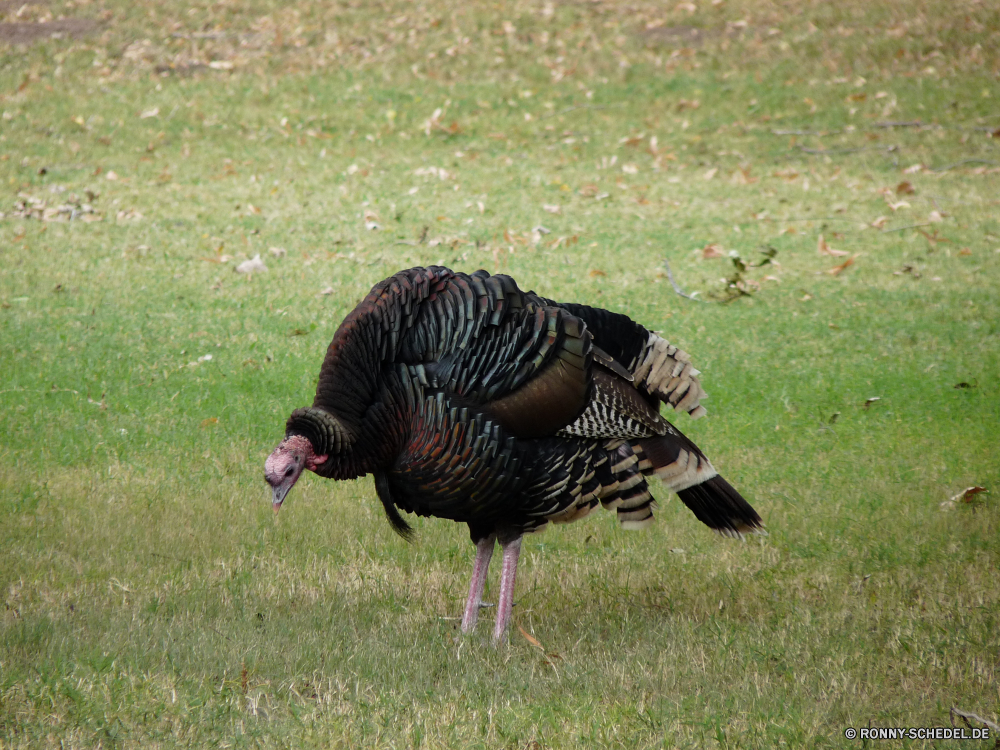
511 550
484 551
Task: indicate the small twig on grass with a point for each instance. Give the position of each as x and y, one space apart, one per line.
676 286
818 218
893 124
968 717
573 109
806 132
908 226
886 149
170 557
965 161
218 633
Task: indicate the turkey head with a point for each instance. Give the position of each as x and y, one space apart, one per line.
311 436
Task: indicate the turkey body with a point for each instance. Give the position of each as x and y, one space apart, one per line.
472 400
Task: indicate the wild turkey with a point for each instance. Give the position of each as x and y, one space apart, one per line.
472 400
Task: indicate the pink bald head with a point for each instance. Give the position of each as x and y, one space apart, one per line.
284 466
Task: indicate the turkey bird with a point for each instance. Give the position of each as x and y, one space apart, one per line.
472 400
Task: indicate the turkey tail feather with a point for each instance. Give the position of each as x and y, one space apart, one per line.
719 506
681 465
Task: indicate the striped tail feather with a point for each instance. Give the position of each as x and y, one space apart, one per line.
680 464
629 494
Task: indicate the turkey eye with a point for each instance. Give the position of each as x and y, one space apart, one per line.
289 471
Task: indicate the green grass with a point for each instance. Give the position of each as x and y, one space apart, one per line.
150 597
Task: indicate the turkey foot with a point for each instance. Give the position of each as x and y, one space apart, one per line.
484 551
511 550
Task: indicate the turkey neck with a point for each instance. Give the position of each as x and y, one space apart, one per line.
369 339
359 381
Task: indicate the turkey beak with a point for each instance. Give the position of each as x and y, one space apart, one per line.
279 496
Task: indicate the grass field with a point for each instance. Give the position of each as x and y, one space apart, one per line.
151 599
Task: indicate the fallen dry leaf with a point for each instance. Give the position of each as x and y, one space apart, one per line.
880 222
209 421
934 238
837 270
905 188
550 208
277 252
935 216
966 495
595 272
326 292
824 249
710 173
914 169
965 251
530 638
870 401
712 251
897 205
149 113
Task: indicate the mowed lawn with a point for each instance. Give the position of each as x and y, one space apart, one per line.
823 179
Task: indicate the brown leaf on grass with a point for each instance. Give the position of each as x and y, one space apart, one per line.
837 270
712 251
905 188
870 401
965 251
934 238
824 249
209 421
530 638
936 216
880 222
966 495
743 177
595 272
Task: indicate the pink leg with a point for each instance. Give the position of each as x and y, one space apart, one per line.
484 551
511 550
